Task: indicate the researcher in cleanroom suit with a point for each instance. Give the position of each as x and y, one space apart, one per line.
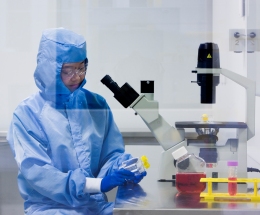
66 144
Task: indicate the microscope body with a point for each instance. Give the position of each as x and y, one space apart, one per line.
203 142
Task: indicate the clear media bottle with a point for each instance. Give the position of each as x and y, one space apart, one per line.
190 169
232 176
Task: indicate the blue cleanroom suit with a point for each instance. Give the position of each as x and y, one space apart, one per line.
59 138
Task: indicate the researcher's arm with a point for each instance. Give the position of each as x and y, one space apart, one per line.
113 152
30 148
113 149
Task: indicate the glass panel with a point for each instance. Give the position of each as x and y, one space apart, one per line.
253 67
131 40
253 43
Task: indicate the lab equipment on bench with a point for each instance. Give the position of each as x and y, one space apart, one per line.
224 196
190 169
204 142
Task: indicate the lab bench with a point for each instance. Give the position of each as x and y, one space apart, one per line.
151 197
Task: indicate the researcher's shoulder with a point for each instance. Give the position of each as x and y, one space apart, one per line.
94 98
33 102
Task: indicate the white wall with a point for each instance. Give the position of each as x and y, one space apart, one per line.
21 24
253 23
149 40
230 97
231 104
131 40
253 71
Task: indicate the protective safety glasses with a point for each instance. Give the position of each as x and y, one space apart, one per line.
69 73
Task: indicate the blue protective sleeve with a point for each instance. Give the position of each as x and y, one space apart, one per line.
37 169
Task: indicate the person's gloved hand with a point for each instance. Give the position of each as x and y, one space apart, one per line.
139 177
117 178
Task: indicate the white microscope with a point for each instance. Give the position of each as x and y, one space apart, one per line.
205 142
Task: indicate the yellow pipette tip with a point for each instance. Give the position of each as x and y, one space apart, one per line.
145 162
205 117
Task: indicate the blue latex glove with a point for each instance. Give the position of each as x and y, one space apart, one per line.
117 178
139 177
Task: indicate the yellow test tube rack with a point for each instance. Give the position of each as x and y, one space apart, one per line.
253 197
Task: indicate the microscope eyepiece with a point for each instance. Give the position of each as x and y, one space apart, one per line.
108 81
126 95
